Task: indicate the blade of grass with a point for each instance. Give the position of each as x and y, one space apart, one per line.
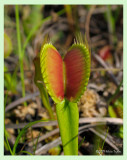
35 147
8 145
19 130
81 142
22 132
100 149
21 56
27 153
5 132
111 25
105 138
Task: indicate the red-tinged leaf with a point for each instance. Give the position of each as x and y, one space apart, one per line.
52 71
77 66
105 53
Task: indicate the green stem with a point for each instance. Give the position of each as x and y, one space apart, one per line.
45 101
111 24
68 120
20 50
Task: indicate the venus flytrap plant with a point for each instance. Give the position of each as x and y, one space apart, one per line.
66 81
